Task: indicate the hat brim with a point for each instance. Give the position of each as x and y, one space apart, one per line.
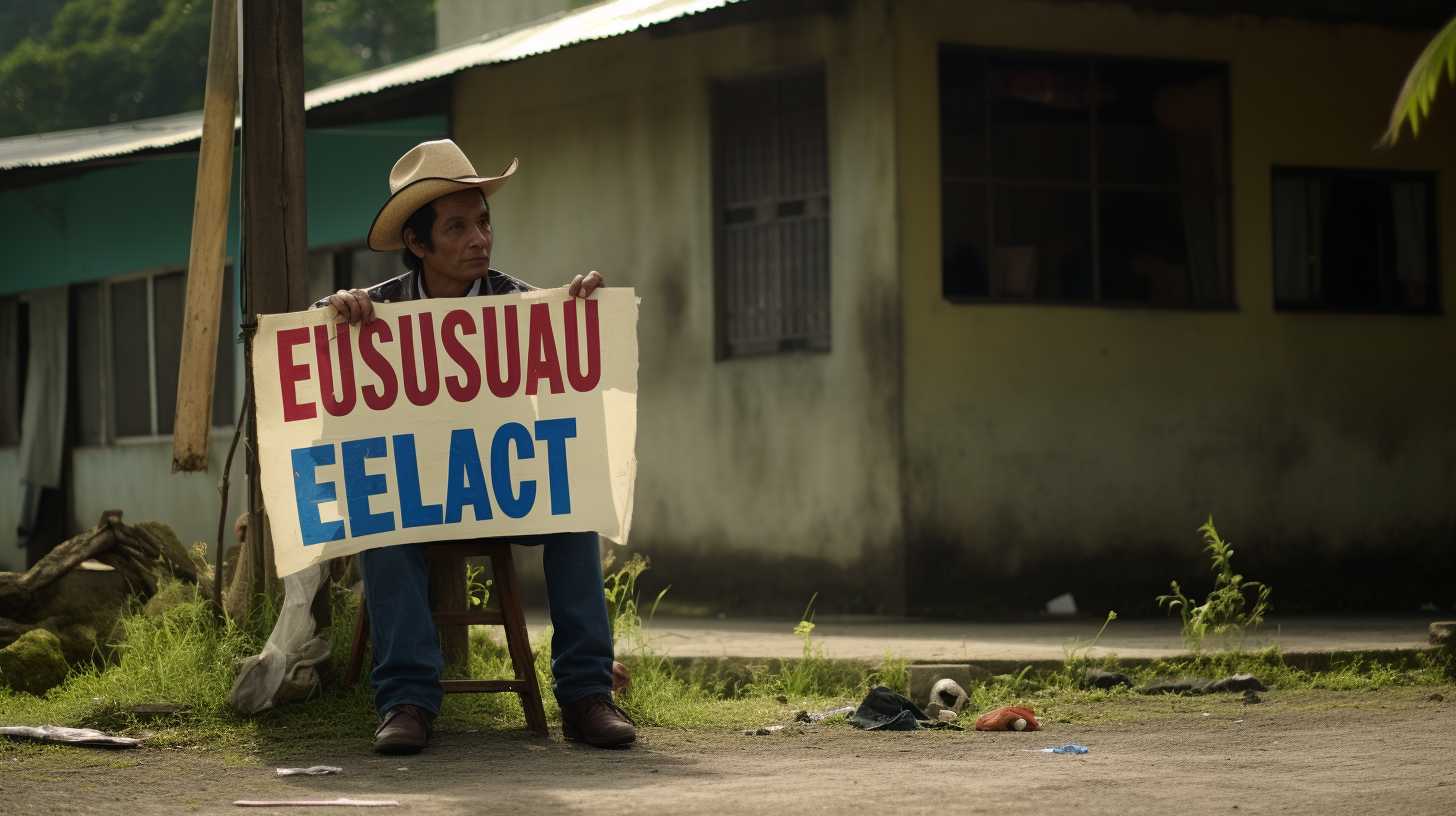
384 233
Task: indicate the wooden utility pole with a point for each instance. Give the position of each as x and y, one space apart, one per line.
208 252
275 222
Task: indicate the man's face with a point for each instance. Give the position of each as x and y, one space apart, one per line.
461 235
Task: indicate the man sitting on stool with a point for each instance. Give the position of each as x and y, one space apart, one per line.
439 216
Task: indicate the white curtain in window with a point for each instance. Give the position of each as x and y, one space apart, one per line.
43 418
1298 236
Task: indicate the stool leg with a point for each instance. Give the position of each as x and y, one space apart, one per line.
447 594
361 642
517 642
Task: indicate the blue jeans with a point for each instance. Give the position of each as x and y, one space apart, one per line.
407 658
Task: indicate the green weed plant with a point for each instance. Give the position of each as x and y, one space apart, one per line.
1227 610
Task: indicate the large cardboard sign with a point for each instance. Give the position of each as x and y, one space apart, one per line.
446 419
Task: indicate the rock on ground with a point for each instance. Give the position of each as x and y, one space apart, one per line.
34 663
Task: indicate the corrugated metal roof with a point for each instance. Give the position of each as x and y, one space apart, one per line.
601 21
70 146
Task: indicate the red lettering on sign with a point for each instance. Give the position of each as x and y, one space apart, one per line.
541 360
587 381
502 388
419 394
291 373
380 398
345 403
462 389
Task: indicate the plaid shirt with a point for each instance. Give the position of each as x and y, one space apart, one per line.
407 287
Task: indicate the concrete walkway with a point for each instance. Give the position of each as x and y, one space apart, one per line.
872 638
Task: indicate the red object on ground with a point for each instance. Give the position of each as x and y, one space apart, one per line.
1002 718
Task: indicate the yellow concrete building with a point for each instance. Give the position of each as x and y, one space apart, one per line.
969 435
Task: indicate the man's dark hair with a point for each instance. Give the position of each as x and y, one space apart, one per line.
423 223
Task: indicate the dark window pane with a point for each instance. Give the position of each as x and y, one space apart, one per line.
1145 247
965 237
1358 257
747 142
1043 244
803 137
169 300
86 353
224 413
1040 119
1412 242
10 371
963 114
1353 241
131 383
1161 123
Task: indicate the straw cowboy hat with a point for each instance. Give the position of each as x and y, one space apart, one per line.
429 170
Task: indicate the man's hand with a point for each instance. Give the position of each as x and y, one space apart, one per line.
352 305
583 285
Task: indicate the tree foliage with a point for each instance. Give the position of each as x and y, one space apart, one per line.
1419 91
78 63
25 18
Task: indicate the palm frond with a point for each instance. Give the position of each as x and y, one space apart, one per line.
1414 102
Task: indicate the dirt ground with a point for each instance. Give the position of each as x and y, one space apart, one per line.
1390 751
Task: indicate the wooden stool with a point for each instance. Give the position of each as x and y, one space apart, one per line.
449 608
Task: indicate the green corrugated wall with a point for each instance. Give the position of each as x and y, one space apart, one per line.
116 220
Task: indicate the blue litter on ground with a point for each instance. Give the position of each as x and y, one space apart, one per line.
1069 748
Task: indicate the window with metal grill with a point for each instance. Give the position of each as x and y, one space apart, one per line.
771 181
1076 179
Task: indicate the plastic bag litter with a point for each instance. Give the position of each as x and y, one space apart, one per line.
67 736
312 770
288 667
1069 748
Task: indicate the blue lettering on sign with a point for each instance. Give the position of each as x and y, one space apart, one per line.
413 512
515 506
465 485
466 479
309 494
555 432
359 485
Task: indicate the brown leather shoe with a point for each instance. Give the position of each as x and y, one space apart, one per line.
405 730
596 720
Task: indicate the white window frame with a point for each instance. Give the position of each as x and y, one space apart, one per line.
109 435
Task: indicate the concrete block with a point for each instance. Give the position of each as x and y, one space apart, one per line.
924 675
1441 634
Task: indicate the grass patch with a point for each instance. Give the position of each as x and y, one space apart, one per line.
185 657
